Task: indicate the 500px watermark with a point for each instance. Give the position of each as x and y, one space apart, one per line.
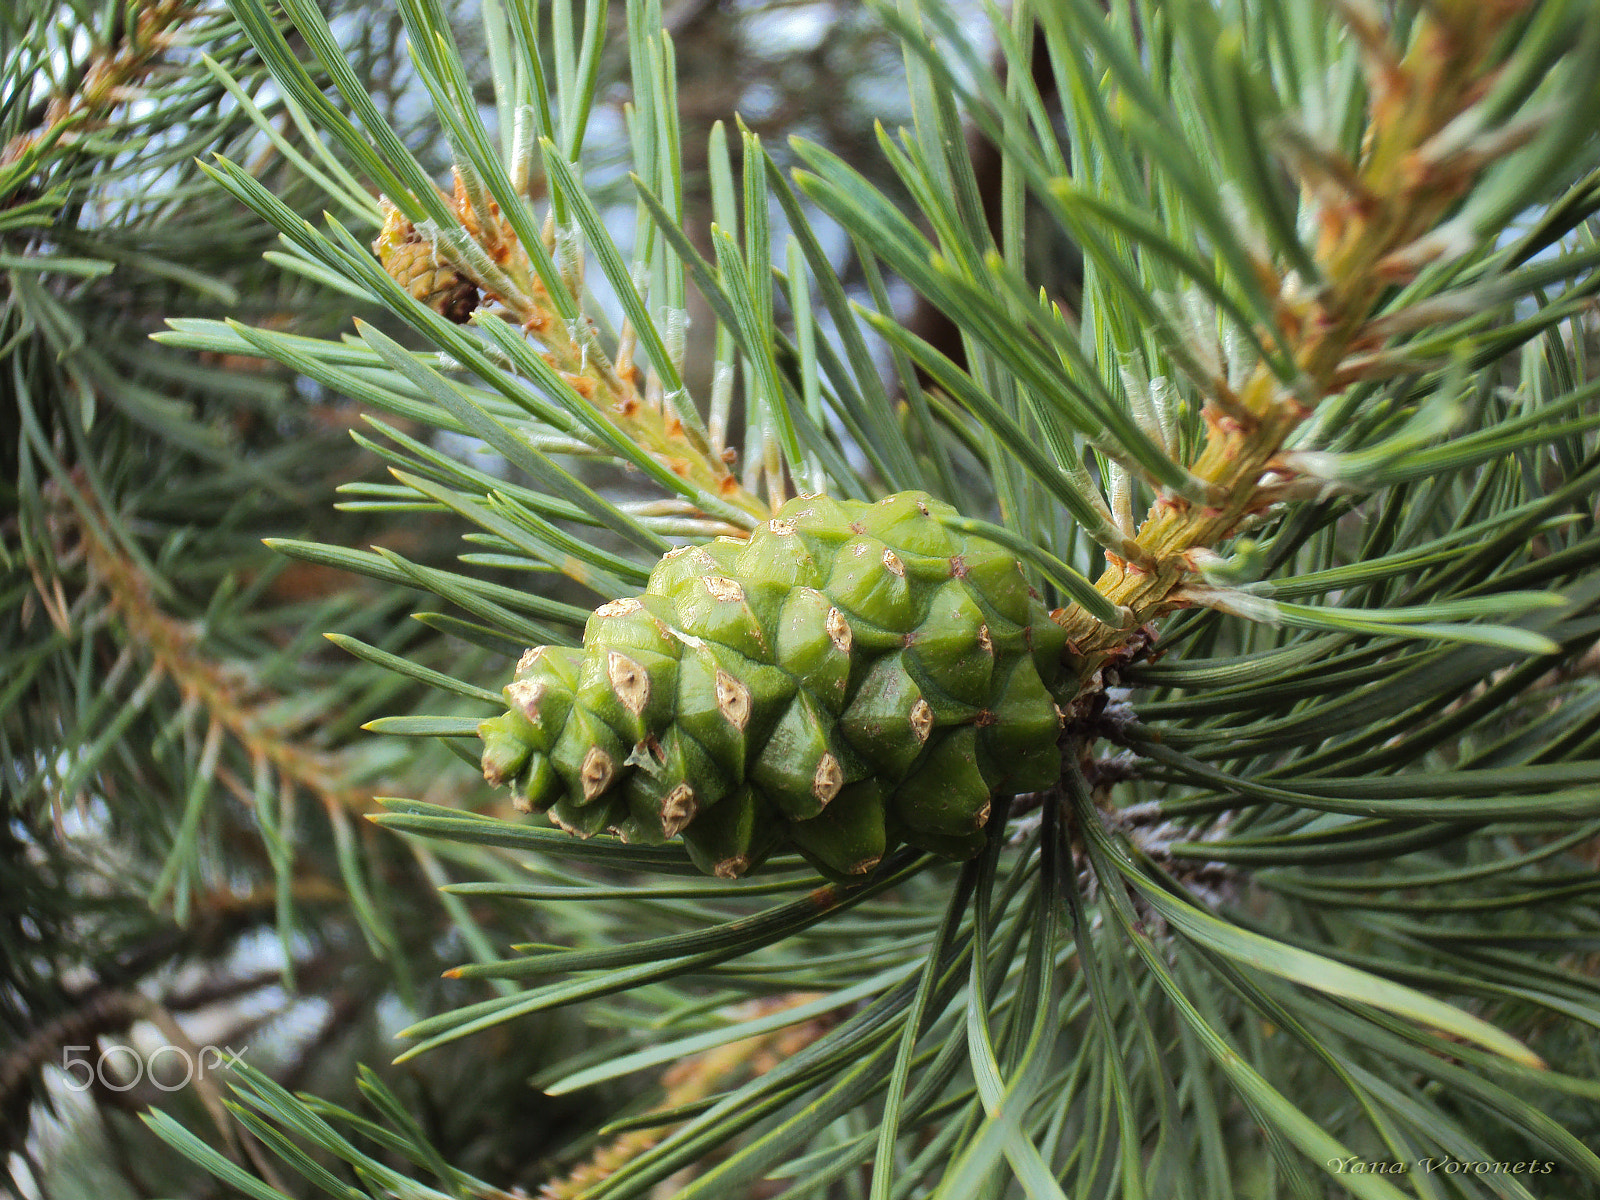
169 1068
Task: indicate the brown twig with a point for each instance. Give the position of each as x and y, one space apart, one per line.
447 270
233 705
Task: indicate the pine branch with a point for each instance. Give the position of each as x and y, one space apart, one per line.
1341 840
110 79
1375 217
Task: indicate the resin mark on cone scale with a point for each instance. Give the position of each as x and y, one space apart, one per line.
838 630
597 772
678 809
733 700
629 681
526 694
922 719
829 779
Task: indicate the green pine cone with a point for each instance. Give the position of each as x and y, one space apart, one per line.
854 676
